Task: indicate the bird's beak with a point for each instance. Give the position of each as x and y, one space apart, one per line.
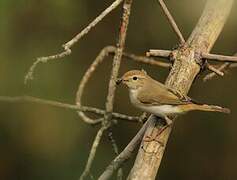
118 81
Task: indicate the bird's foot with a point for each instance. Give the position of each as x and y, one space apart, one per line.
150 138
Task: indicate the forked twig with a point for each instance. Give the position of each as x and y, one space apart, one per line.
220 68
30 76
67 51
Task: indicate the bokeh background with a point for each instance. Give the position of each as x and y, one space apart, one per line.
46 143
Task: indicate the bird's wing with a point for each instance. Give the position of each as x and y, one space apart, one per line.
159 94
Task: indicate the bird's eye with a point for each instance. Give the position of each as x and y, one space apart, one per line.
134 78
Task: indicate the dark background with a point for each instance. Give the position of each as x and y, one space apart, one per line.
46 143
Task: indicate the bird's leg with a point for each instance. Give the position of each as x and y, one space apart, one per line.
148 138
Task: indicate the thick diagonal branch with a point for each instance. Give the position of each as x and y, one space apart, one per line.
182 74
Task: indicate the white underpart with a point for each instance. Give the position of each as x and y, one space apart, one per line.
158 110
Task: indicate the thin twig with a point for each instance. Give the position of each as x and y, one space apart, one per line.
146 60
213 74
126 153
92 153
115 148
159 53
30 76
219 58
215 70
172 22
117 60
68 106
69 44
75 39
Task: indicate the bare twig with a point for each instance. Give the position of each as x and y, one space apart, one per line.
126 153
172 22
219 58
146 60
68 106
214 69
115 148
117 60
69 44
220 68
92 153
29 75
75 39
213 74
159 53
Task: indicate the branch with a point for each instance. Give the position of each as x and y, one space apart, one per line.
159 53
67 51
219 58
146 60
183 72
68 106
172 22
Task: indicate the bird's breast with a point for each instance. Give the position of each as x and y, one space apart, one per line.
133 97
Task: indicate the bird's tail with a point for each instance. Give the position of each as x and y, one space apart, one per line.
204 107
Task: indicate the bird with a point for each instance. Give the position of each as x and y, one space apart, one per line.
152 96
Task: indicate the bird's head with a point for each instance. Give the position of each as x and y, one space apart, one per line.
133 79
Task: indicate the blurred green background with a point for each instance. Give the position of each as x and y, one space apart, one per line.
46 143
